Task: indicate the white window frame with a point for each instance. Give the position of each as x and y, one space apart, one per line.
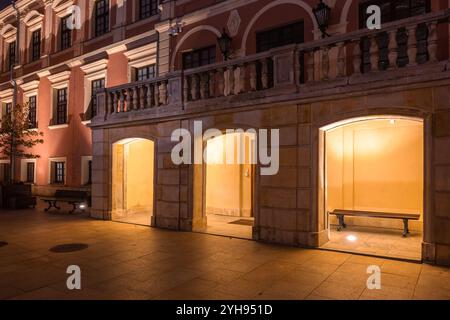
33 21
6 96
60 9
91 18
140 57
57 159
59 81
31 89
93 71
8 33
23 169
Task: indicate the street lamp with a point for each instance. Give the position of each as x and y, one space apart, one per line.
224 42
322 14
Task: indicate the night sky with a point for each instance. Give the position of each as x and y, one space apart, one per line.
4 3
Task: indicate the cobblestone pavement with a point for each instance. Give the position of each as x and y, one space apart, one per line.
133 262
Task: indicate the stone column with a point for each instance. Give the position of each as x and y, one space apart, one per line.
100 176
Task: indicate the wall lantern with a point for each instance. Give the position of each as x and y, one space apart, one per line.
224 42
322 14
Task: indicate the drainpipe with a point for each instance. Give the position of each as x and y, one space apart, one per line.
12 157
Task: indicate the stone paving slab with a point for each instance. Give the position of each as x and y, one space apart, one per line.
134 262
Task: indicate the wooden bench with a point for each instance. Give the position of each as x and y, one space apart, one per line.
73 197
340 214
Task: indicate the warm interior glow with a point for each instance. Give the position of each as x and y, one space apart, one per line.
228 186
133 170
376 165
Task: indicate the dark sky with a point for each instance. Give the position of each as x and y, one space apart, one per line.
4 3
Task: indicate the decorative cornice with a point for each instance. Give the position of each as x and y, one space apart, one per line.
29 86
59 77
96 66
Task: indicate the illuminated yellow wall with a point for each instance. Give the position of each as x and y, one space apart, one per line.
228 186
139 169
376 165
133 171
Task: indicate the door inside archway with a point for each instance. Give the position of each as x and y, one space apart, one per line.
228 185
373 171
133 181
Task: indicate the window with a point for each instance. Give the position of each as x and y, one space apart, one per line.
30 172
145 73
8 108
59 168
101 17
280 36
61 106
11 55
32 112
66 33
96 85
147 8
391 11
36 45
199 57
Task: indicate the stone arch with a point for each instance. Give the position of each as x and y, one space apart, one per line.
133 186
396 112
272 4
187 35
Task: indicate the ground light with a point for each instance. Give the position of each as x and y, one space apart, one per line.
351 238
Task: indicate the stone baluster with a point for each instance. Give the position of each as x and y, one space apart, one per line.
239 79
432 41
325 63
297 66
186 88
264 74
194 87
253 75
412 45
212 84
229 81
112 102
142 97
163 93
156 94
357 57
310 66
393 49
128 99
203 80
374 54
135 98
220 82
149 95
341 60
122 101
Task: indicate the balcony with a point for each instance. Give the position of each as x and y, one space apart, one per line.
351 62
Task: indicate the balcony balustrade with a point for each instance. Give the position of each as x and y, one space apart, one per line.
302 70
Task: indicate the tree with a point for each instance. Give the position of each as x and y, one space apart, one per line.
16 136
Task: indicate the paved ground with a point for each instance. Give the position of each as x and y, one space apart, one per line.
131 262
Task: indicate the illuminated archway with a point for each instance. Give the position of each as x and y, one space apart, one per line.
224 186
373 165
133 181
